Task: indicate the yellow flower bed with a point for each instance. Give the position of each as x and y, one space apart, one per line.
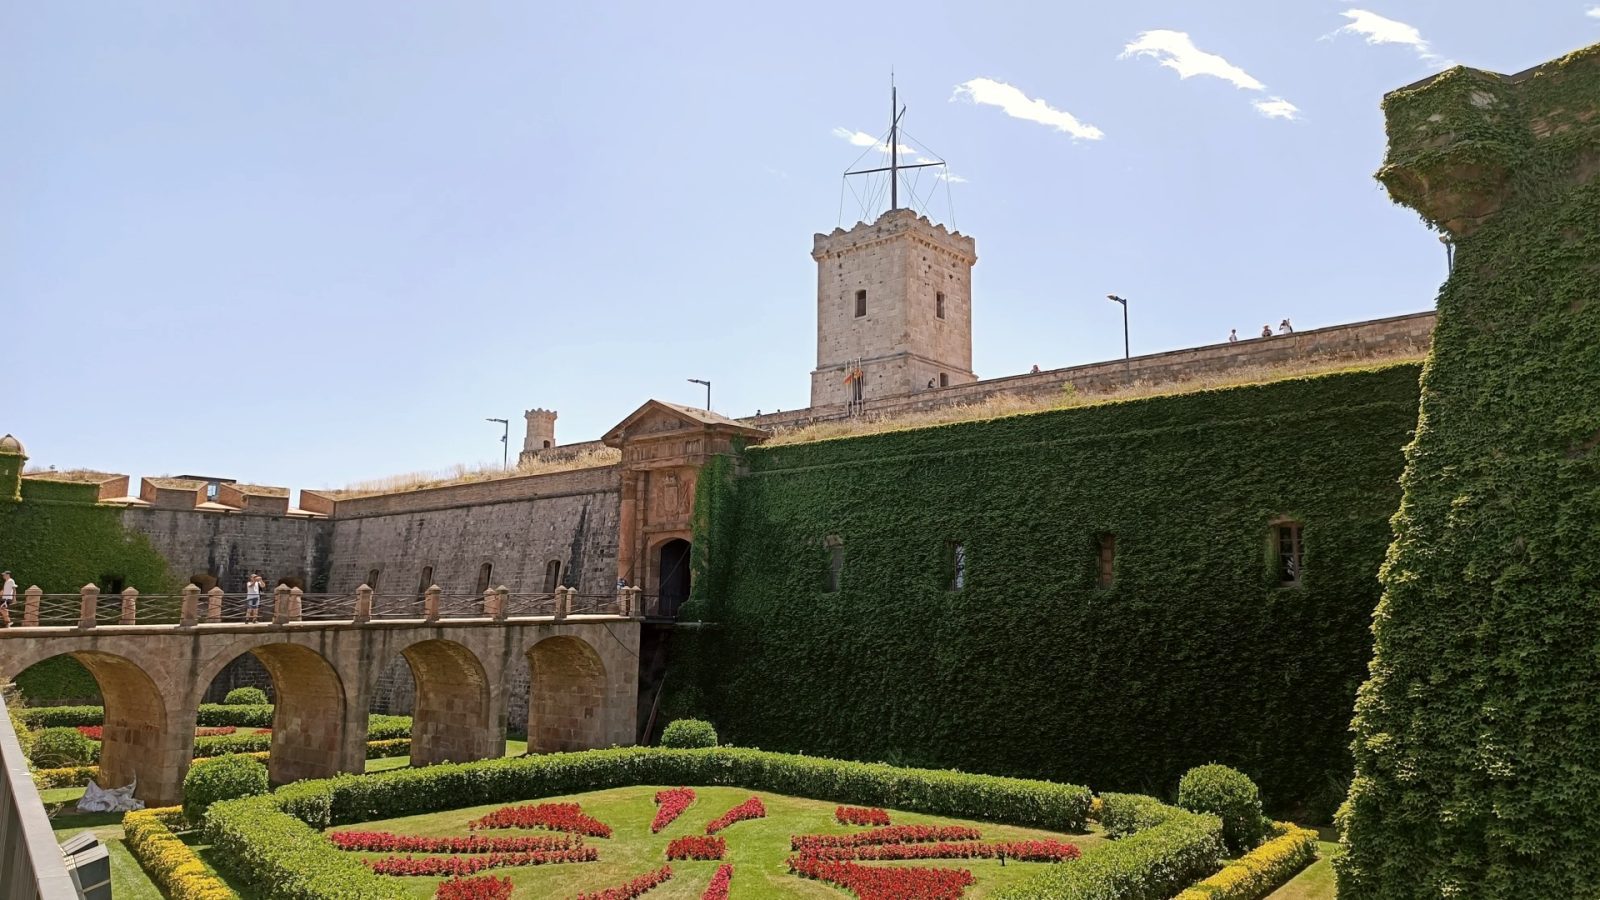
1261 870
170 862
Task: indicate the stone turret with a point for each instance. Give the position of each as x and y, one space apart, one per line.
541 431
13 456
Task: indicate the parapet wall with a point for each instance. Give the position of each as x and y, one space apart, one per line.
599 479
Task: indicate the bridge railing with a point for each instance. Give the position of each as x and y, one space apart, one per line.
31 865
90 608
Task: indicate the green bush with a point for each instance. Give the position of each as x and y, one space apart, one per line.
689 734
55 748
13 703
282 858
225 778
245 696
1229 795
61 716
217 714
384 728
1152 864
1125 814
224 744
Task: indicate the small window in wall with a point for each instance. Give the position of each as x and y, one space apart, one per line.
111 584
426 581
835 573
547 445
211 490
1106 560
552 575
938 304
372 579
944 379
1289 553
485 572
955 553
861 303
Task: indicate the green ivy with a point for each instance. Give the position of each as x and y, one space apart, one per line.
1194 654
58 538
1478 731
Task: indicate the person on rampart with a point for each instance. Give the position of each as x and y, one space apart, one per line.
252 597
8 596
1233 335
1266 331
1285 328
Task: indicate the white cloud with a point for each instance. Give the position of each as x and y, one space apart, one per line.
1013 102
862 139
1276 108
1176 51
1593 12
947 175
1377 29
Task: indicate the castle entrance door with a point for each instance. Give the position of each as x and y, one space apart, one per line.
672 580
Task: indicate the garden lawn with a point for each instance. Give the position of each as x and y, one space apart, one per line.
128 880
757 848
1315 882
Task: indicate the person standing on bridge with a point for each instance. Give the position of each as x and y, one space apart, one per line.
8 596
252 598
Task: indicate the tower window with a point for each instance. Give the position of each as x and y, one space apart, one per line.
1105 566
485 572
1289 553
552 575
944 379
547 445
861 303
938 304
956 561
372 579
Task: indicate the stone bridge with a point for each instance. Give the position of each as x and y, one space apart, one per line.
583 672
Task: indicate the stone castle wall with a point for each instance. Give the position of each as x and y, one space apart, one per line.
231 546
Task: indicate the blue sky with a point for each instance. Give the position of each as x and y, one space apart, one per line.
307 243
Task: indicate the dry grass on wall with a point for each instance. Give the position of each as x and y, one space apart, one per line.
999 405
464 474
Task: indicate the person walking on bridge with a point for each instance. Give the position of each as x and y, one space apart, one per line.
8 596
252 597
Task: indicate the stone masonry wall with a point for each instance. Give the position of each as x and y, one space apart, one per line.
231 546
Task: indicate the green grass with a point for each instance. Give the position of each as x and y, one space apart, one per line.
128 880
757 848
1315 882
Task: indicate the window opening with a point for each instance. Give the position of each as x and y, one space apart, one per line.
938 304
426 581
372 579
1105 572
944 379
485 572
861 303
956 555
835 574
552 575
1290 553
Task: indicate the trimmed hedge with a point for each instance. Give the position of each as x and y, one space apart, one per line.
222 744
906 669
226 778
168 860
59 747
689 734
1260 871
1229 795
1170 849
286 859
76 776
383 728
61 716
379 727
245 696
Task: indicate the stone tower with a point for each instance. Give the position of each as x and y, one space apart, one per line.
12 460
541 431
894 309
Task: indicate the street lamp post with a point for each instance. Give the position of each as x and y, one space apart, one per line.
708 390
505 441
1115 299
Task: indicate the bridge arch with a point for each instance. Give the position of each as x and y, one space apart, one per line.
567 696
310 710
452 717
140 741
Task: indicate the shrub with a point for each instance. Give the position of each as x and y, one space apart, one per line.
222 745
245 696
1125 814
1152 864
689 734
13 703
61 716
282 858
1229 795
241 716
168 860
61 747
225 778
383 728
1259 871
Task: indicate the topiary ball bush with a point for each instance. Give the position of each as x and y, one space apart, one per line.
1229 795
687 734
57 748
223 778
245 696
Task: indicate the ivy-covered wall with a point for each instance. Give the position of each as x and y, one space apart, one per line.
1194 654
1478 735
59 539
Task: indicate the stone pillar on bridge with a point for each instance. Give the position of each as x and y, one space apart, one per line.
430 603
295 597
280 604
30 605
189 616
88 605
214 605
130 607
363 604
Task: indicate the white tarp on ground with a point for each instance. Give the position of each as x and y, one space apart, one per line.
99 799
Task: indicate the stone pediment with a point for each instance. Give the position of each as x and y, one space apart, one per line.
658 418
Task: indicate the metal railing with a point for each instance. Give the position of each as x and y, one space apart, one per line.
31 865
91 609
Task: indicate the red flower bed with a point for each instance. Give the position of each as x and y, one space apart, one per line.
97 732
92 732
387 842
889 883
468 865
1022 851
670 804
750 809
696 847
216 731
554 816
718 888
894 834
484 888
631 889
860 815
